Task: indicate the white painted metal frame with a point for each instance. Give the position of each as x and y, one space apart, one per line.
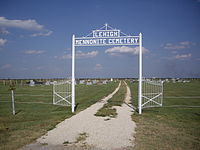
140 76
73 74
62 93
152 95
106 27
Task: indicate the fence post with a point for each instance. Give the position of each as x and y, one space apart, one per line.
13 102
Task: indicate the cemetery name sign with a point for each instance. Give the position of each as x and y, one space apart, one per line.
106 38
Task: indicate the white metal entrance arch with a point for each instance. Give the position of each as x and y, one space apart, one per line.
107 36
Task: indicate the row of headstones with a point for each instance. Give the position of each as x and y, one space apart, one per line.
29 82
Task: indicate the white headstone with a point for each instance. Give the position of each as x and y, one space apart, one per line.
32 83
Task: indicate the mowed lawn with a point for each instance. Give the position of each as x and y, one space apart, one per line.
35 114
176 125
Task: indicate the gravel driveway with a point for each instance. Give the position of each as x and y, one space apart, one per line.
86 131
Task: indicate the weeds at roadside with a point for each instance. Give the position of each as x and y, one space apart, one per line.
44 144
82 137
66 143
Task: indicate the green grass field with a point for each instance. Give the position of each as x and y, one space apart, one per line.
35 114
176 125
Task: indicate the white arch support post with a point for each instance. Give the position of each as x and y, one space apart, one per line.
73 74
140 75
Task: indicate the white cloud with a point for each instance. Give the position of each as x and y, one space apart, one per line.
183 56
3 42
179 46
48 33
4 31
91 54
98 67
80 54
6 66
23 24
115 51
33 52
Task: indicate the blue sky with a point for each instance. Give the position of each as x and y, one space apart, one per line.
35 38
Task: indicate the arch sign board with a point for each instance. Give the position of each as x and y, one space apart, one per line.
107 36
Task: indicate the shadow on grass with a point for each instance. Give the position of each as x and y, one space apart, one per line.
76 106
18 111
132 107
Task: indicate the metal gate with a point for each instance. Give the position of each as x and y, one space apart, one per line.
152 93
62 93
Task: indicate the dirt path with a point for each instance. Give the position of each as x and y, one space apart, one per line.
128 95
86 131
